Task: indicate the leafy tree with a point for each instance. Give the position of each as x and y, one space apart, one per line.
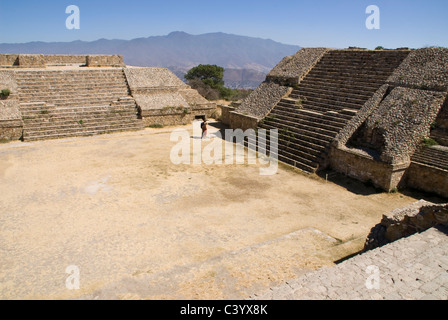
211 75
208 81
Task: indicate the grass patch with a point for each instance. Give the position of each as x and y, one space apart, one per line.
429 142
156 126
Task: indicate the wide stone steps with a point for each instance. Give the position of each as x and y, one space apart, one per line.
77 133
431 156
334 84
299 117
355 95
325 100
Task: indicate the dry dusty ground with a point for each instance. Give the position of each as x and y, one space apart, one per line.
138 226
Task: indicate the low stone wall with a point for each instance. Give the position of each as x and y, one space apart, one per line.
171 117
427 178
359 165
31 60
65 60
404 222
225 114
40 60
241 121
104 61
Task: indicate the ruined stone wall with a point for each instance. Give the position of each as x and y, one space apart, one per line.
404 222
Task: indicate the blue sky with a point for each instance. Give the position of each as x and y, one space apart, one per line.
318 23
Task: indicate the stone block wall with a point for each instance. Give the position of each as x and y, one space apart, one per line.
427 178
225 114
105 61
65 60
366 168
41 61
31 60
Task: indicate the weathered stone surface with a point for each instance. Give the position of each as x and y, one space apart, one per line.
105 61
261 101
411 268
398 125
424 69
407 221
291 70
146 78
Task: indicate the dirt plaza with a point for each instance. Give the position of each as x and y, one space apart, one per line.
138 226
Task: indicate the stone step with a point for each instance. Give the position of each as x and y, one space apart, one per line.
311 114
300 134
331 99
311 152
334 92
299 118
295 118
327 111
78 134
346 86
347 80
79 126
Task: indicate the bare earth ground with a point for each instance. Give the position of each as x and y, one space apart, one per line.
138 226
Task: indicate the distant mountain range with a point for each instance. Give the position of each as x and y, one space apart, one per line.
247 60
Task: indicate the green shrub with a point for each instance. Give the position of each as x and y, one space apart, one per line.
5 93
429 142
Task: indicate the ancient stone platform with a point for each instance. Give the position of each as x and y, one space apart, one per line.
413 268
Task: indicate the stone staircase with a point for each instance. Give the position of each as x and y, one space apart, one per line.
68 103
328 97
436 157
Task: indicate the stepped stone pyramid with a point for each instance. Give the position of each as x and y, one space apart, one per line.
360 112
61 96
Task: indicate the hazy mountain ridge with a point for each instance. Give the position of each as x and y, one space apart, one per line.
179 51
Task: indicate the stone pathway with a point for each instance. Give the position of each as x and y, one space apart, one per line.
414 268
